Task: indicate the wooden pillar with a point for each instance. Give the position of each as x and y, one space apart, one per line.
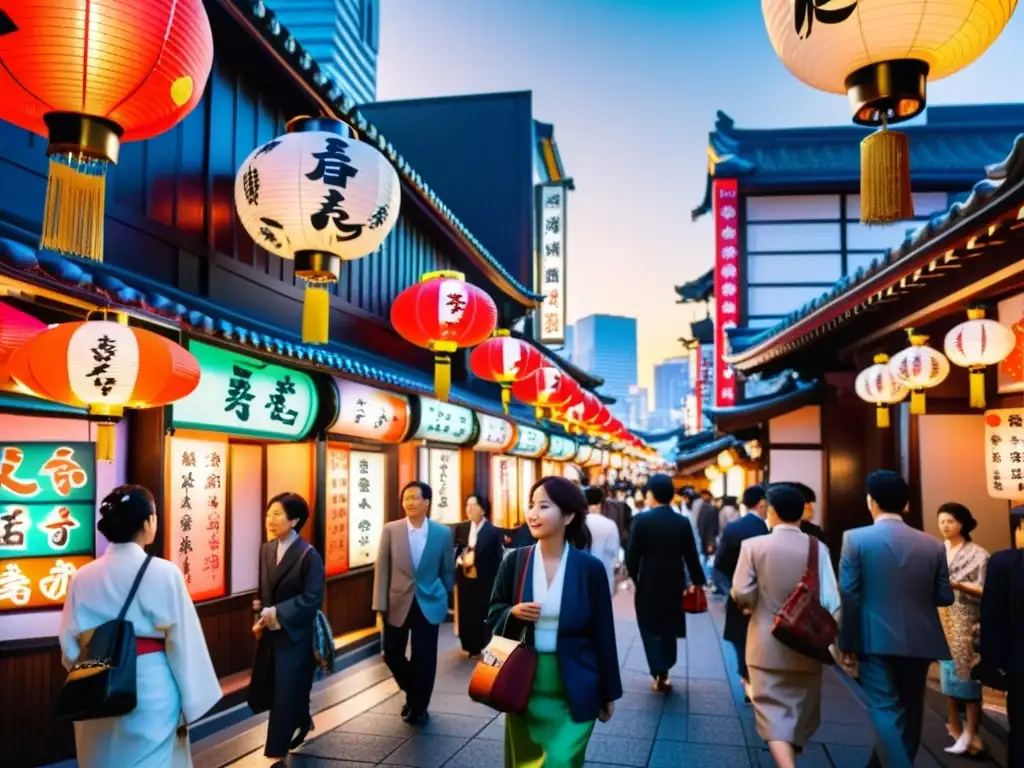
844 421
146 465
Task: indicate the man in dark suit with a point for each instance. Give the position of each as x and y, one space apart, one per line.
807 524
660 549
751 524
891 580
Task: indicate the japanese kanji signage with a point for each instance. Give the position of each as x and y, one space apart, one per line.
445 479
504 491
725 194
1004 453
495 435
370 413
584 453
529 442
241 395
551 262
37 582
47 500
366 506
196 514
527 477
444 422
560 448
336 545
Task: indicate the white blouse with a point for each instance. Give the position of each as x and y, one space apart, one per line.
550 599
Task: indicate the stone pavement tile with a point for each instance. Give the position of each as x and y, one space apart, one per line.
672 727
309 761
647 701
372 724
425 751
814 756
711 697
361 748
707 669
638 723
495 731
619 751
750 734
673 754
846 734
463 726
641 681
479 753
847 756
706 729
392 706
458 704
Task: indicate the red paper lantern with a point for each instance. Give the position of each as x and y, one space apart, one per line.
16 328
89 74
441 313
504 360
548 387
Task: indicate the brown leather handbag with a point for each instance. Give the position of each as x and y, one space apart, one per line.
503 678
802 623
695 601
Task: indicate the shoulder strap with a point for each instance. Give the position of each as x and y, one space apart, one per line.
812 565
134 589
522 574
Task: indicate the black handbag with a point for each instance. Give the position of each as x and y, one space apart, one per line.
102 683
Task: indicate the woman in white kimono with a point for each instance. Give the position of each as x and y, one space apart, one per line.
176 681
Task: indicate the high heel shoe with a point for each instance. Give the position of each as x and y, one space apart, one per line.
300 735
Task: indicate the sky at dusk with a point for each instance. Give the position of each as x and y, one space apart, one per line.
632 87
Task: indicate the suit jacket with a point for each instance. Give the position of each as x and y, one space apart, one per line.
812 529
587 657
514 538
660 551
735 533
396 584
1002 622
707 526
892 578
487 552
621 514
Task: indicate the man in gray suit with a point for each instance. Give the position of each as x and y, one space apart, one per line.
892 579
414 573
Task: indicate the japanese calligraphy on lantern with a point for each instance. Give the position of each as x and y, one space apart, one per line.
584 453
1004 453
550 214
725 193
241 395
47 499
37 582
197 490
495 434
560 448
445 479
366 506
370 413
505 491
444 422
336 535
529 442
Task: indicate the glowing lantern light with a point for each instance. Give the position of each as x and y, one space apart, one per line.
919 367
725 460
882 53
548 387
877 384
712 473
89 74
106 367
504 360
16 328
441 313
319 196
976 343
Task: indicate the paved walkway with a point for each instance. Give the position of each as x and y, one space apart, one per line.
704 722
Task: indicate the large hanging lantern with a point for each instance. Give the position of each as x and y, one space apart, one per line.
88 75
877 384
919 367
882 53
319 196
976 343
441 313
106 367
16 328
585 412
548 388
504 360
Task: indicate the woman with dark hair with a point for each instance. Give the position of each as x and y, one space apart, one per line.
175 680
967 563
477 554
555 595
291 590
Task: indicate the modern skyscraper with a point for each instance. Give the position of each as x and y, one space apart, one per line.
671 383
343 37
636 407
570 338
605 345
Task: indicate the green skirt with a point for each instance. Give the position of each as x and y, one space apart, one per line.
546 736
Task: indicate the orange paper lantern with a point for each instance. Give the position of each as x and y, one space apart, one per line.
16 328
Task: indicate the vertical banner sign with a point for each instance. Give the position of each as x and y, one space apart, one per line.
336 548
1004 453
551 262
727 283
504 491
366 507
706 387
196 514
445 480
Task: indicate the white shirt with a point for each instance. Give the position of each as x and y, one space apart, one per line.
605 545
827 586
550 598
417 541
474 531
282 545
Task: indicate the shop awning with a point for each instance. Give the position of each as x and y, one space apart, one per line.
758 410
698 457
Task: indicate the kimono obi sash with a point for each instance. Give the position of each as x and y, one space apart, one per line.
144 645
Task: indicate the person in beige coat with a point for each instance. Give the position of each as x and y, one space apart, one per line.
786 685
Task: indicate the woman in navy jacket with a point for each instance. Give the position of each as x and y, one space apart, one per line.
556 595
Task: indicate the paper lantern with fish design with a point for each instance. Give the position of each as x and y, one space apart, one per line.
504 360
975 344
919 367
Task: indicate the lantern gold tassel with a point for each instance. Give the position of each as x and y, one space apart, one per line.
977 379
316 313
442 376
917 402
882 416
538 413
105 436
885 195
75 197
506 399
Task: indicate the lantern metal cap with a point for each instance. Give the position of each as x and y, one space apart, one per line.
881 358
307 124
975 313
93 137
501 332
888 91
443 274
317 266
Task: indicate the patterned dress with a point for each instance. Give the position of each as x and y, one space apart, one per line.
967 563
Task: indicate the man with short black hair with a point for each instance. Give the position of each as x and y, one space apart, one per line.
892 578
604 534
807 524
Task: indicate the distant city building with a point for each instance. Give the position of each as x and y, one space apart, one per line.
570 338
605 345
636 407
343 36
671 384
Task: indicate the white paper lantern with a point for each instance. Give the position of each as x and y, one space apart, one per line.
975 344
319 196
919 367
876 384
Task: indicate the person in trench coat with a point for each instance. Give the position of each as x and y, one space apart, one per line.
291 590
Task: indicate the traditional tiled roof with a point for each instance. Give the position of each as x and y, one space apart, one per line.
969 225
697 290
662 436
792 395
706 451
701 331
263 20
547 150
948 151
